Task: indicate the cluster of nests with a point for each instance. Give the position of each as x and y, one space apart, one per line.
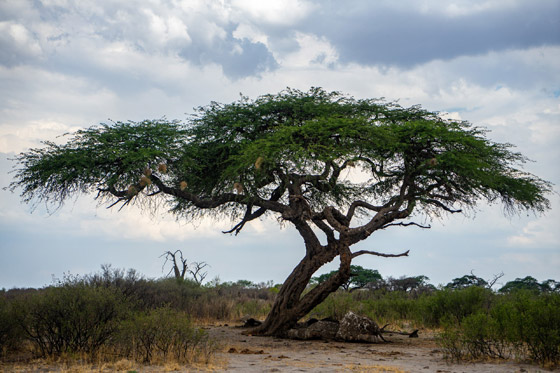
162 167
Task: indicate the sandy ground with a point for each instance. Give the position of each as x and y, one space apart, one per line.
242 353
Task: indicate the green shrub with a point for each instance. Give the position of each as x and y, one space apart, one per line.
454 304
522 324
335 306
537 323
390 307
10 333
70 318
159 333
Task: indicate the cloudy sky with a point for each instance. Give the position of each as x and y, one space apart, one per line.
66 65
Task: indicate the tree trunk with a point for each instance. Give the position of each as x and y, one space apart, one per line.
289 305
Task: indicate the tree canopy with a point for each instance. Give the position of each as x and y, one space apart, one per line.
226 157
467 281
530 283
359 277
322 161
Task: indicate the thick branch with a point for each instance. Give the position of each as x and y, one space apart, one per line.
247 218
442 206
406 225
326 229
356 204
363 252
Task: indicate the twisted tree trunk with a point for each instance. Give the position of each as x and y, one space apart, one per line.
290 305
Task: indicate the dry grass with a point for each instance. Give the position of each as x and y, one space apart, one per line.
122 365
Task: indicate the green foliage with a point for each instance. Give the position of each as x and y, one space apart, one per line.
466 281
10 333
160 333
261 146
454 305
359 277
414 284
521 325
109 156
530 283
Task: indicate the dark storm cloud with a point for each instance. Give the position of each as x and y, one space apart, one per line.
372 33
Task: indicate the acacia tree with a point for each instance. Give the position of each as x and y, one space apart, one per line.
359 278
336 168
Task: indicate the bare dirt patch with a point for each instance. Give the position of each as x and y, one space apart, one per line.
243 353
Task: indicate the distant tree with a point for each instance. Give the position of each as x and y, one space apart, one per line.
466 281
359 277
530 283
196 271
245 284
180 266
550 286
178 262
289 155
407 284
473 280
363 277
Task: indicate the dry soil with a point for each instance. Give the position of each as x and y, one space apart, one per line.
245 353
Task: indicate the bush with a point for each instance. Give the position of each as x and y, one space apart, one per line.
70 318
537 323
454 304
522 324
159 333
10 333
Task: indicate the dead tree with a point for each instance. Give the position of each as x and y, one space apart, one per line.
180 265
196 272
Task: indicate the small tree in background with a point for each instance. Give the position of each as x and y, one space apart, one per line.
178 262
336 168
180 267
532 284
466 281
359 278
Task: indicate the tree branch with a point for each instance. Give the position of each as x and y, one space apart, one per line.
406 225
356 204
248 217
442 206
362 252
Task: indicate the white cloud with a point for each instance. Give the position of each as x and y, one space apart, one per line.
247 31
541 233
275 12
312 50
17 43
15 139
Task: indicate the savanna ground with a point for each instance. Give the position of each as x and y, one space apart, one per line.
169 325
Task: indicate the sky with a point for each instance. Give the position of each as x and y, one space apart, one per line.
66 65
